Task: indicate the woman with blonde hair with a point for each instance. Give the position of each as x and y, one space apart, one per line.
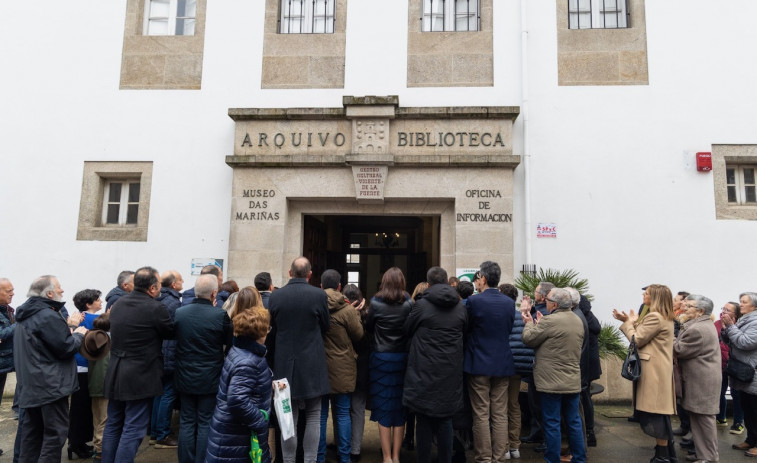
654 392
247 298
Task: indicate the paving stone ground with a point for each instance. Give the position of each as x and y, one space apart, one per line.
618 441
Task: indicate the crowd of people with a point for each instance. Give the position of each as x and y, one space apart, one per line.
443 365
686 368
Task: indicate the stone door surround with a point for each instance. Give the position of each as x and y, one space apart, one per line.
371 157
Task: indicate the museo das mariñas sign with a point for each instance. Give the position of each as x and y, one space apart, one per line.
404 139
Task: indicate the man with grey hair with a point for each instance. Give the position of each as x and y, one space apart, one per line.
697 349
43 352
557 340
202 330
534 399
124 285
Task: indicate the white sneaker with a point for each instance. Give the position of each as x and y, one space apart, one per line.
507 456
514 453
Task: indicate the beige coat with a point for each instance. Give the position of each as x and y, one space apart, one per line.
557 339
345 329
655 391
698 351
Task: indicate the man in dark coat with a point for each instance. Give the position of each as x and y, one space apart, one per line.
7 327
434 376
43 352
202 330
264 285
489 363
595 369
124 285
171 284
138 326
299 317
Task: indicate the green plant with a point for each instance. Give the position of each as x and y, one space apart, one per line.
611 342
528 282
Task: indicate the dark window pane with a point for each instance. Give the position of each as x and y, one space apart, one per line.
730 176
731 194
131 213
114 195
134 192
112 213
749 176
750 196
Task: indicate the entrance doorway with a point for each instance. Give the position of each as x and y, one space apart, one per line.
361 248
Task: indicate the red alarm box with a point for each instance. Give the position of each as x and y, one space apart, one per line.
704 162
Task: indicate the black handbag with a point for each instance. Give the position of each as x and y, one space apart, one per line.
739 370
632 365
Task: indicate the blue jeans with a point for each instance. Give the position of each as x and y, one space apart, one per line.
738 412
342 426
125 429
194 424
551 407
162 408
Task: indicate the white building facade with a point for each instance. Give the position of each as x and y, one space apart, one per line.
371 134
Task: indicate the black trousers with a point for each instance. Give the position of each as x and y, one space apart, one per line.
80 417
749 404
426 427
588 407
43 432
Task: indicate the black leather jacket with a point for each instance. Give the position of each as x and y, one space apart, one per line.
386 322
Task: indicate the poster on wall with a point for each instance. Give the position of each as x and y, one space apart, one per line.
200 262
465 274
546 230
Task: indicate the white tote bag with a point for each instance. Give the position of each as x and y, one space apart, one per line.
282 401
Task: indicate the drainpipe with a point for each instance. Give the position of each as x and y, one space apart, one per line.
524 113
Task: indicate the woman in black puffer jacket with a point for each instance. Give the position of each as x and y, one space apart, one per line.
244 393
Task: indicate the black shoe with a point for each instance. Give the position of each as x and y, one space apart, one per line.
591 439
687 444
535 438
354 457
541 447
1 451
81 452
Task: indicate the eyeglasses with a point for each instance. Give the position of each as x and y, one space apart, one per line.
552 300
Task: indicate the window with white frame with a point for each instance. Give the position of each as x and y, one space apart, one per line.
120 202
450 15
307 17
597 14
170 17
740 184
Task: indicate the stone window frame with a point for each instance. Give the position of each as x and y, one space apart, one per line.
319 59
599 56
170 62
726 156
450 58
96 176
